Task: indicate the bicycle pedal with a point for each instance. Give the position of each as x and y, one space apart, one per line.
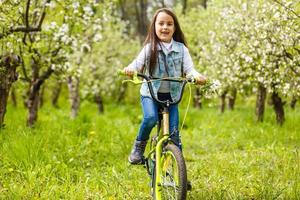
144 161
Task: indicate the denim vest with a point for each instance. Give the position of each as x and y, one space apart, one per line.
174 62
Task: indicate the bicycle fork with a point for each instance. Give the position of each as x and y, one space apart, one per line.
159 148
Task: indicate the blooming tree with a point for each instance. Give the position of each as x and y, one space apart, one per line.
250 47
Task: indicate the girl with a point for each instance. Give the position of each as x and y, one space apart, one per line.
164 55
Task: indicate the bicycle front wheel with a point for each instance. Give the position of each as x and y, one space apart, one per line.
173 177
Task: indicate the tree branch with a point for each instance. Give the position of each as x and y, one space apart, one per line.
23 29
27 28
23 66
46 75
39 25
27 14
295 71
287 8
298 50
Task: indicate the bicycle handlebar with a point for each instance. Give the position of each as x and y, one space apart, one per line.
149 79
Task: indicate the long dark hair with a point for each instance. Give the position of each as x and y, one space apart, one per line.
153 40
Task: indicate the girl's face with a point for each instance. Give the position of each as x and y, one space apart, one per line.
164 27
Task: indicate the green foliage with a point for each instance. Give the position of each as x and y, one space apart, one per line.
228 156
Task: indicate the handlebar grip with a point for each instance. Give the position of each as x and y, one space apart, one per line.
121 72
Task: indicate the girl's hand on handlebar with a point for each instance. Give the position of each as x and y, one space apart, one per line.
128 71
200 80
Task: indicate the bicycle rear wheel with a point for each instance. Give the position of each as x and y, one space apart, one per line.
173 177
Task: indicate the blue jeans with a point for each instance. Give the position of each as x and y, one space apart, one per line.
150 111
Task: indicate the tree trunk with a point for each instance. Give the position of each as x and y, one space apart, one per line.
232 98
122 4
34 91
33 103
141 17
56 93
293 102
73 85
124 15
13 97
33 94
223 101
204 3
184 6
99 101
197 99
260 103
41 96
3 103
278 108
8 75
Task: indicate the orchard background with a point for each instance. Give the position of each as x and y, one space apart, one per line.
67 121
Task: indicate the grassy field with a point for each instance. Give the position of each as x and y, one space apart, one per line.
229 156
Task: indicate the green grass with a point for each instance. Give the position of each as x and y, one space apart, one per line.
229 156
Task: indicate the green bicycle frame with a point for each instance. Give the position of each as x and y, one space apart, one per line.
158 150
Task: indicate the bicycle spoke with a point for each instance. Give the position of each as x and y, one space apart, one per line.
169 184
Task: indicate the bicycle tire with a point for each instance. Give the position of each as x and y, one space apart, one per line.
178 174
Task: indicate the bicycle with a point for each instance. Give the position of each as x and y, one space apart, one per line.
165 162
